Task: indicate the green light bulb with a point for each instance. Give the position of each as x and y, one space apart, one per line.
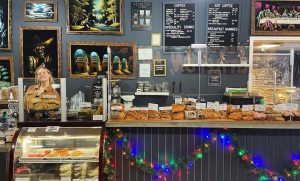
199 155
241 152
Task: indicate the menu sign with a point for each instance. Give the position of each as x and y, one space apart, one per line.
214 78
179 26
223 25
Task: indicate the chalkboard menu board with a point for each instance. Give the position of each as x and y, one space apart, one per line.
223 25
179 26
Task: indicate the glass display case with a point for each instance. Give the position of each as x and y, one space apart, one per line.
274 73
57 153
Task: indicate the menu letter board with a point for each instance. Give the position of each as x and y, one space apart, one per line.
223 25
179 26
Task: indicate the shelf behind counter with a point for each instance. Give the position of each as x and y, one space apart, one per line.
221 123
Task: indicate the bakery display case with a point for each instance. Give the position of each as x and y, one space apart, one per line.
274 73
56 153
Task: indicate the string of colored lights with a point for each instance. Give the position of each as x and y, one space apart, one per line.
161 171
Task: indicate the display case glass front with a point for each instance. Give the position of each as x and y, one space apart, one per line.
57 153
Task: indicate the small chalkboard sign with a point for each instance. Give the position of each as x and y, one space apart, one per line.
214 78
178 26
159 67
222 25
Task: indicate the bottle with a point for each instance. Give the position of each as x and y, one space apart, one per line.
97 95
97 89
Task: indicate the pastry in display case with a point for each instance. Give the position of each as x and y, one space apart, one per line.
56 153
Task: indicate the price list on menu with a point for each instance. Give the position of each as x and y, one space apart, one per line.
223 25
179 26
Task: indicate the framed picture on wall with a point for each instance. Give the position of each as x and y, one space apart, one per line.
141 15
277 17
5 25
40 46
159 67
86 59
6 70
40 11
94 17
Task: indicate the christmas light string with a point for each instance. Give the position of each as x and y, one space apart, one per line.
161 171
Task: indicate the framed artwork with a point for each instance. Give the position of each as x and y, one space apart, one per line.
86 59
159 67
141 13
94 17
5 25
40 11
40 46
6 70
155 39
277 17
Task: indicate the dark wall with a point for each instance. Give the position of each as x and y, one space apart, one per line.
190 81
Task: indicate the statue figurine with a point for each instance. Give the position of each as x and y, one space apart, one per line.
116 68
105 64
221 58
81 61
95 65
125 67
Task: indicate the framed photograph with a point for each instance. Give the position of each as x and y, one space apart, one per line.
86 59
141 15
6 70
155 39
94 17
40 11
40 46
277 17
5 25
159 67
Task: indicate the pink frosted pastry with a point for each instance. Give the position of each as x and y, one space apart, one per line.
259 116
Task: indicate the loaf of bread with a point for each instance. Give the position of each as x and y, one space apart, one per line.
178 116
211 114
142 115
235 116
177 108
166 115
153 115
